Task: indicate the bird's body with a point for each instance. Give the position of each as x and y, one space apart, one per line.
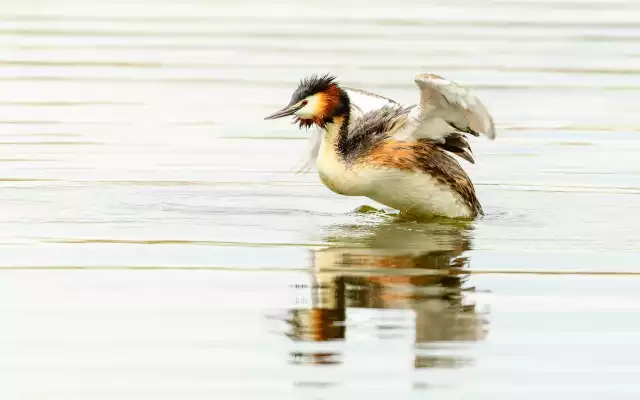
368 145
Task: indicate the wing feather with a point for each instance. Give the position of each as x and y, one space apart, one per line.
446 111
446 101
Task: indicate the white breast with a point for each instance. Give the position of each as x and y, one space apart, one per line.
336 174
410 192
413 192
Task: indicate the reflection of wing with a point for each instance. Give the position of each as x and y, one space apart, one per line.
399 265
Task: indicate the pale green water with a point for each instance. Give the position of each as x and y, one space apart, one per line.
156 245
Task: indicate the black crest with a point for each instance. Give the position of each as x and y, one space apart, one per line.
311 85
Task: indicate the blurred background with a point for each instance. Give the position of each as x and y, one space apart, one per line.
155 242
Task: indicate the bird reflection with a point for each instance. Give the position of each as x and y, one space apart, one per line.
392 266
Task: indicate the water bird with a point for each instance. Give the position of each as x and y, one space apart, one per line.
397 155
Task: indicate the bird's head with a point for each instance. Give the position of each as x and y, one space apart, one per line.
317 100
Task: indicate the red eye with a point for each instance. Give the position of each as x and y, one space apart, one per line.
304 102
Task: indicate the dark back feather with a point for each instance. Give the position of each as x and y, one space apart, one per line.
370 130
429 159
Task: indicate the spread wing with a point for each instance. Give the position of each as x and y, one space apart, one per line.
362 101
446 112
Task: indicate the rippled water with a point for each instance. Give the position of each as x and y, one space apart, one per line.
156 244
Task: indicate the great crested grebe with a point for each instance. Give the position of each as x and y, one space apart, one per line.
372 146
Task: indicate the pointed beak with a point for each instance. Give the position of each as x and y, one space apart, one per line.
288 110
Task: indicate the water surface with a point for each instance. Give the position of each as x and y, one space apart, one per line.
156 243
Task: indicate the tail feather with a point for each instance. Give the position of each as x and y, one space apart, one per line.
457 143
